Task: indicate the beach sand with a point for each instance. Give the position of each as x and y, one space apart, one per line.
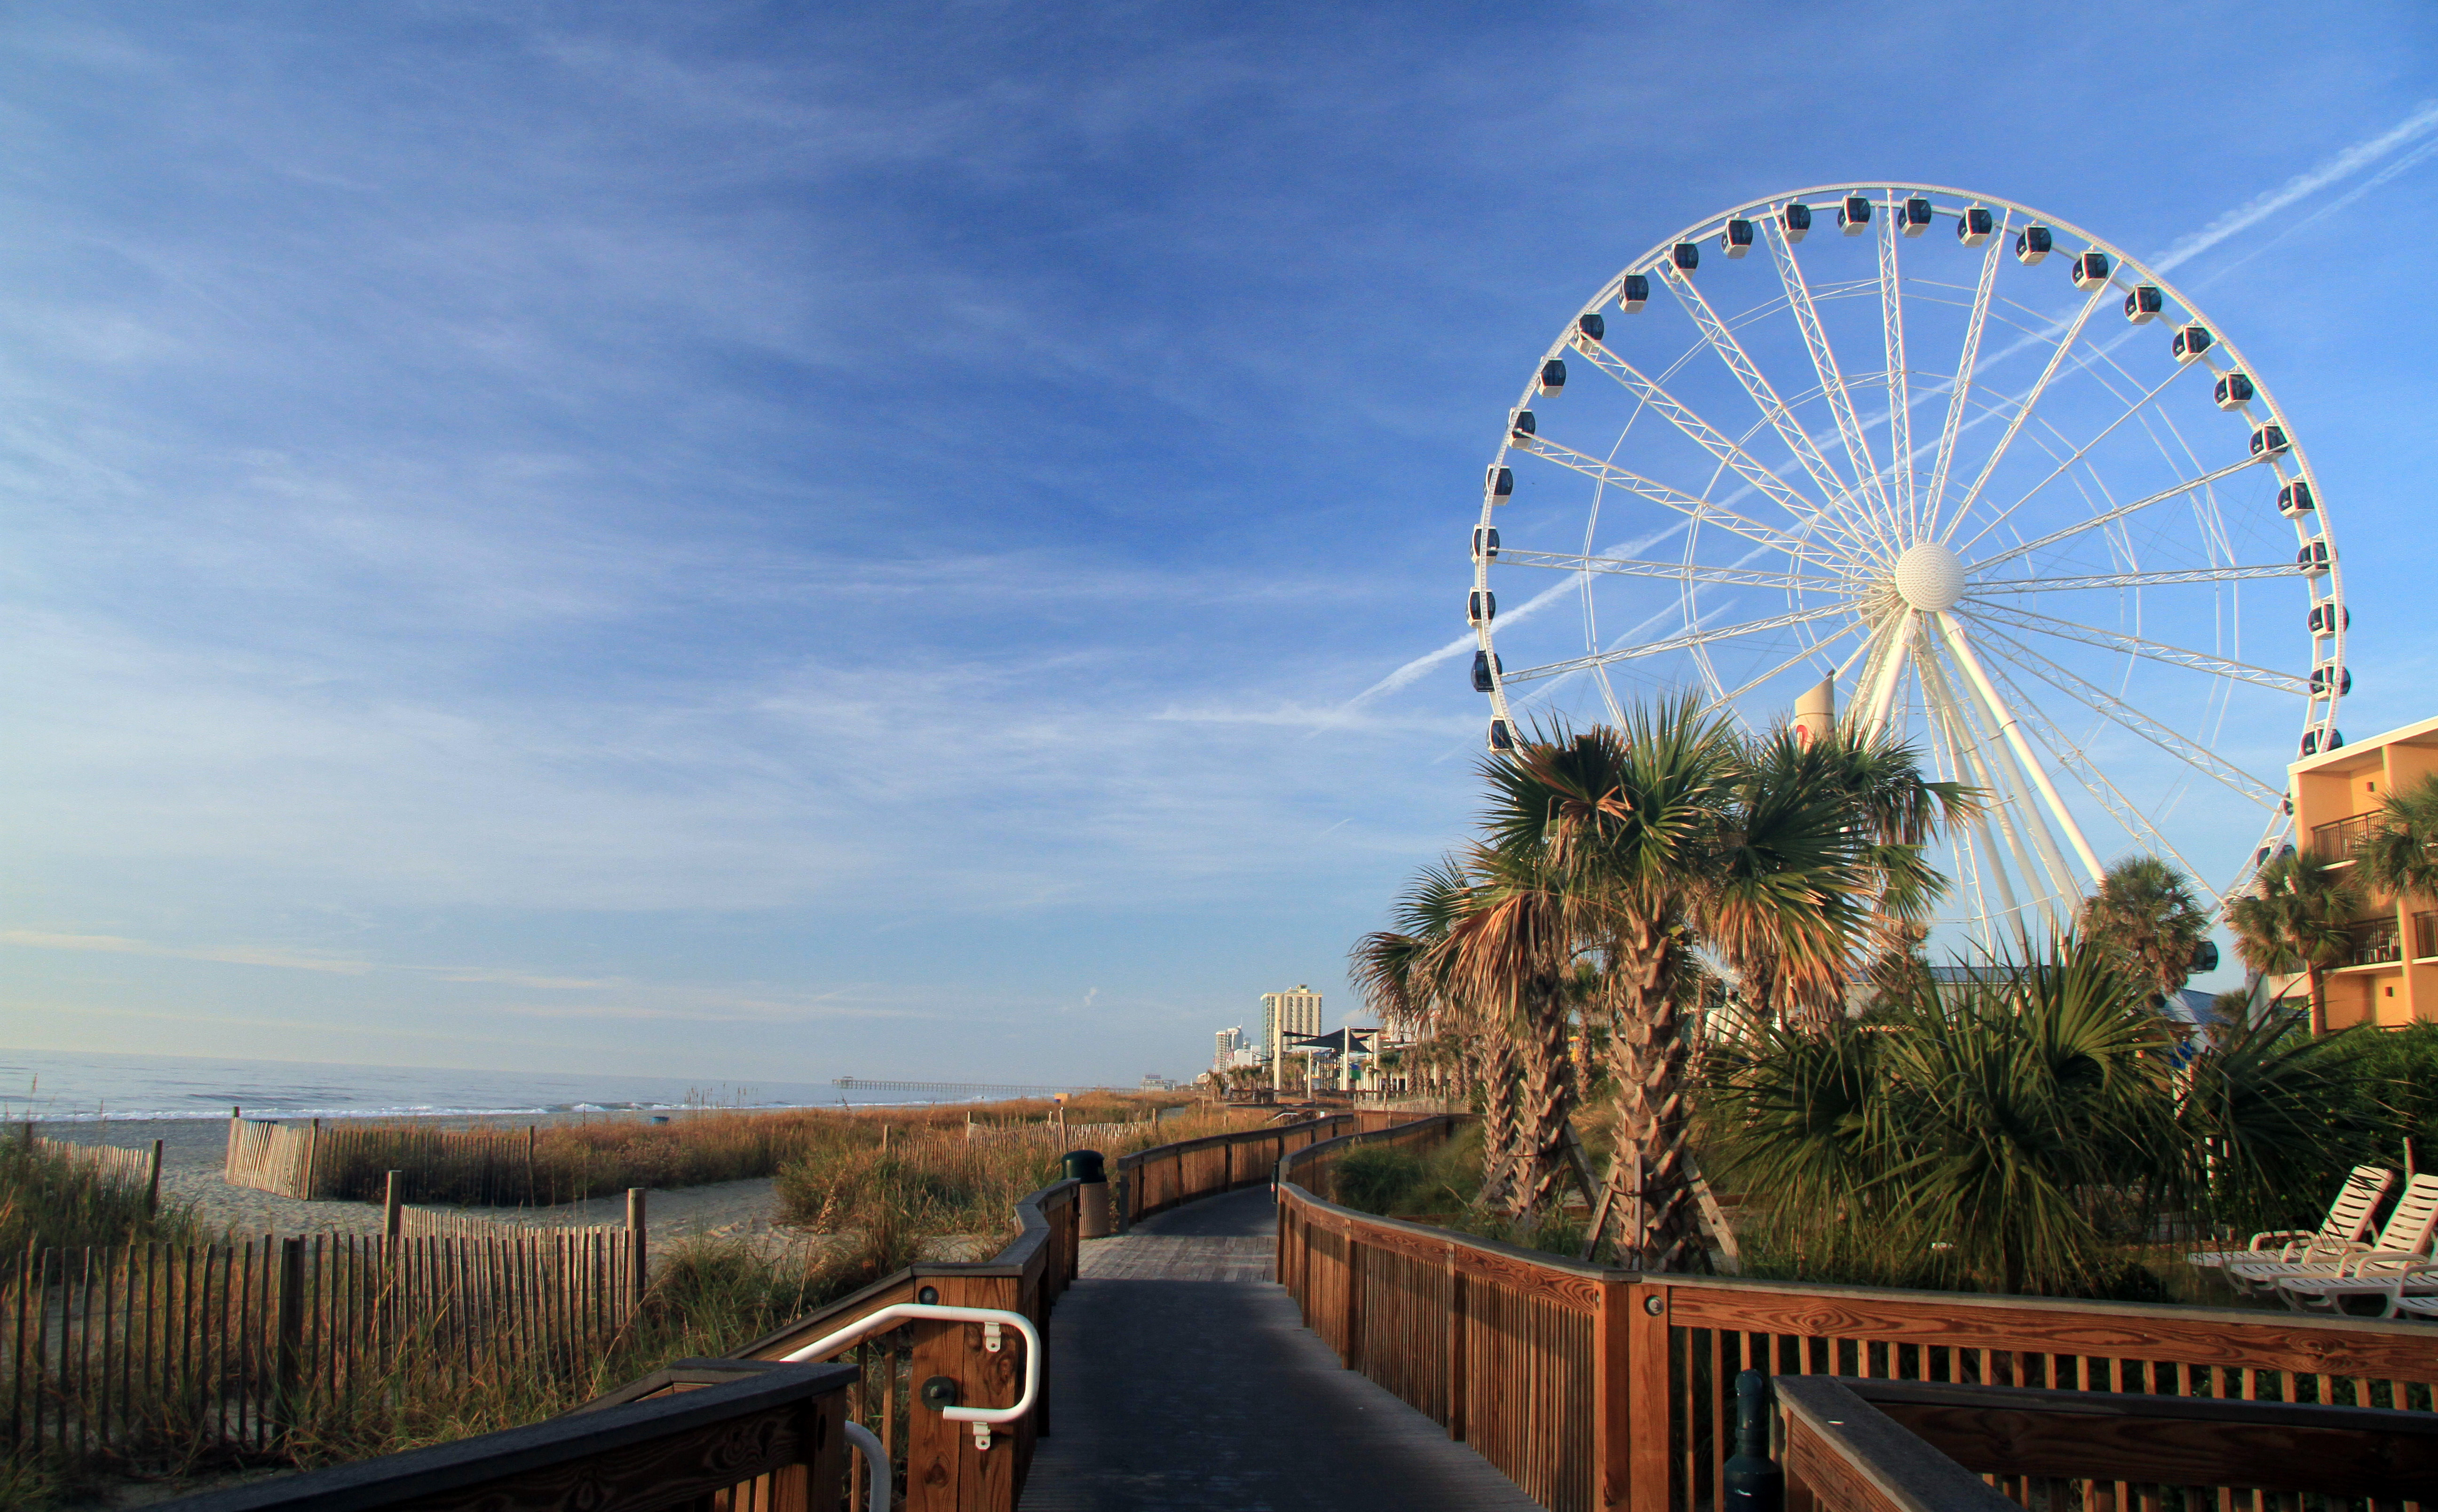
193 1150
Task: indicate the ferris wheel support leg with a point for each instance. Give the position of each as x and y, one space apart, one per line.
2020 810
1954 633
1889 674
1963 755
2011 804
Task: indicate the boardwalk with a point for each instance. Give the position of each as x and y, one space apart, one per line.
1183 1379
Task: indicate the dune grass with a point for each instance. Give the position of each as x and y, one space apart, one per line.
573 1162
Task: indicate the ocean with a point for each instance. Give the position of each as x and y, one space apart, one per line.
49 1085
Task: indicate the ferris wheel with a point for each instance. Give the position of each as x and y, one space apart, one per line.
1936 464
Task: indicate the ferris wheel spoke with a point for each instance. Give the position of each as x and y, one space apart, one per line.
1696 636
1824 363
1899 479
2029 400
2110 517
1792 662
1841 497
2190 575
2174 656
2095 782
1700 432
1673 571
2077 455
1701 510
1960 389
2099 701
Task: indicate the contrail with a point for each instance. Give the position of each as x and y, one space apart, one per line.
2262 206
1463 643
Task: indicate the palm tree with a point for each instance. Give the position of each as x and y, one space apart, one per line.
2144 910
1511 952
2400 854
1407 975
2296 918
1671 832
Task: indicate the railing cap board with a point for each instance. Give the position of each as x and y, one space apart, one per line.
1905 1472
445 1469
2275 1446
680 1375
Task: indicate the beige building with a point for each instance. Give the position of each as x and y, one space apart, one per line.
2393 977
1287 1016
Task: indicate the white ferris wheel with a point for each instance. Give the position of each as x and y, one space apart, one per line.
1937 463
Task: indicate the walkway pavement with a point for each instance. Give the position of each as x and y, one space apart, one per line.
1181 1378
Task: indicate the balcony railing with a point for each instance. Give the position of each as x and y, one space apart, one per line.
2335 842
2376 943
2424 936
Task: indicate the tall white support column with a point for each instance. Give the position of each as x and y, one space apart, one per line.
2020 814
2008 802
1954 634
1889 674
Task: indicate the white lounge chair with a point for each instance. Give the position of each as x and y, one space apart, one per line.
2368 1274
2348 1220
2412 1305
2405 1237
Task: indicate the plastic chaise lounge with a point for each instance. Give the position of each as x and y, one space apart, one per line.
2369 1275
2405 1237
2349 1219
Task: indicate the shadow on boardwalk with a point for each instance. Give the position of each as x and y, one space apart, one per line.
1181 1377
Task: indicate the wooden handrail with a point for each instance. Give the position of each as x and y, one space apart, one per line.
783 1425
1843 1452
2344 1452
1594 1387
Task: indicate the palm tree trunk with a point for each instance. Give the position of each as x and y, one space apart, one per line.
1547 1102
1648 1188
1494 1073
2318 999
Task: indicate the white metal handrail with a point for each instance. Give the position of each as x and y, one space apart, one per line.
992 1320
875 1463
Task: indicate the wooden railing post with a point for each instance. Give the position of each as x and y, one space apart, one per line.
1647 1414
1456 1364
1353 1303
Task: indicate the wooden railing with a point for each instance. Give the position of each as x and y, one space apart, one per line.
722 1439
1152 1181
1599 1388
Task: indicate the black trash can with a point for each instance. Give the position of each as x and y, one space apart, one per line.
1092 1219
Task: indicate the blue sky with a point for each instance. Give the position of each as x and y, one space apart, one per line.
787 541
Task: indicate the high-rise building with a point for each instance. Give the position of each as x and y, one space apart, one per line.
1287 1016
1229 1042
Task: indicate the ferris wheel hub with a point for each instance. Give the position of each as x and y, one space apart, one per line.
1929 577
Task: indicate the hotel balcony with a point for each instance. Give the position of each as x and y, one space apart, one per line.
2335 842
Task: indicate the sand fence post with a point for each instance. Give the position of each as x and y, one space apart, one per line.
394 1206
153 1189
635 1238
288 1362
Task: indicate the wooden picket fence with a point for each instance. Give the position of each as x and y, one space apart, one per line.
131 1168
351 1160
150 1349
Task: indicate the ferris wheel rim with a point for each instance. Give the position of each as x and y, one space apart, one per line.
2289 463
